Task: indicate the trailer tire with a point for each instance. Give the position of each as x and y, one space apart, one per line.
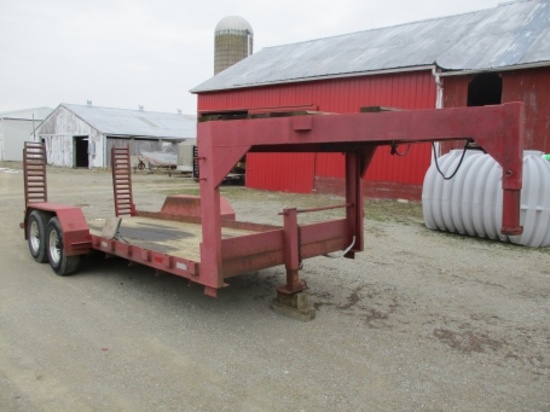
61 264
36 235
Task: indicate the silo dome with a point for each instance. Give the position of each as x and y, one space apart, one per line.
233 24
233 41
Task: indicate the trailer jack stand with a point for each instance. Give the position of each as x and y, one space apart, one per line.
293 304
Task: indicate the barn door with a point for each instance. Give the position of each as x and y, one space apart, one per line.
80 151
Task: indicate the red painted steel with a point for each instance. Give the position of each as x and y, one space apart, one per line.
158 260
296 173
356 135
292 253
256 251
357 163
497 129
318 239
76 234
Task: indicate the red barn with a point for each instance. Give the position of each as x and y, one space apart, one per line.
486 57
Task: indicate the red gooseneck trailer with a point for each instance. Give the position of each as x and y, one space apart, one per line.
198 238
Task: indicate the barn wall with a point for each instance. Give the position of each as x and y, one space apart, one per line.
405 90
58 131
455 91
455 94
284 172
307 171
528 86
532 87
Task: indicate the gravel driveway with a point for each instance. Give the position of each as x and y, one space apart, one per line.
421 320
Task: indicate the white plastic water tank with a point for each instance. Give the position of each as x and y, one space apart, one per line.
471 202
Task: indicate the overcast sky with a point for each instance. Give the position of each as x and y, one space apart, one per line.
126 53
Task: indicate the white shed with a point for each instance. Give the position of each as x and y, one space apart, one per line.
83 135
15 129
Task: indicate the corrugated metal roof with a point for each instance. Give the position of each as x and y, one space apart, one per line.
512 34
137 123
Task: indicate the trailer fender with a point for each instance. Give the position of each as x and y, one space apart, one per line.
77 239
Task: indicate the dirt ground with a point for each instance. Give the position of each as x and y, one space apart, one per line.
421 320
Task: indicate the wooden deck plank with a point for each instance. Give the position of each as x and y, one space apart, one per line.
181 239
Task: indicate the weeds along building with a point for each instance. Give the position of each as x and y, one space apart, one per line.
485 57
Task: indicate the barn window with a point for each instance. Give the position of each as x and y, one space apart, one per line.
485 89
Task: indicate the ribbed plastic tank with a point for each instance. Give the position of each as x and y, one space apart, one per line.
471 202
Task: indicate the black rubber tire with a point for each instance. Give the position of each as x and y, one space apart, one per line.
61 264
36 235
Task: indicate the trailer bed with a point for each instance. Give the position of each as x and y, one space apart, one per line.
174 238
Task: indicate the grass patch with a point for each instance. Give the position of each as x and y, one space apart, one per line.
387 210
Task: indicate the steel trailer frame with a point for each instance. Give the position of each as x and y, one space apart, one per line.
496 129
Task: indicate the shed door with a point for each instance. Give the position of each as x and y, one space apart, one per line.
80 151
